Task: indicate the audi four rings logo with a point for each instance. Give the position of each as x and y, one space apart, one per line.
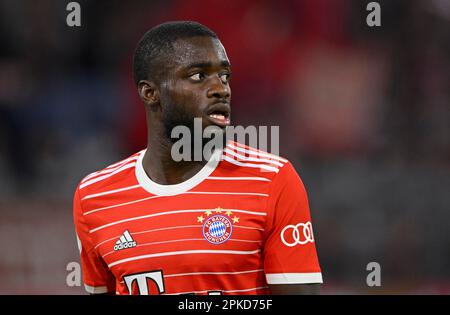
299 234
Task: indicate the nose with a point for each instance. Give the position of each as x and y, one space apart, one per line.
218 89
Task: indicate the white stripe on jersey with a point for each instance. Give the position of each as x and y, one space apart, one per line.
168 228
248 227
252 159
246 290
166 213
227 291
212 273
125 160
245 241
184 252
257 152
187 192
225 193
97 179
172 228
263 166
148 231
120 204
109 169
110 192
181 240
161 242
141 217
263 179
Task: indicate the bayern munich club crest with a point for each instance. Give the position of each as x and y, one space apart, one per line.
217 228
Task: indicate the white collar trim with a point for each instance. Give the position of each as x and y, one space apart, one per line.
170 190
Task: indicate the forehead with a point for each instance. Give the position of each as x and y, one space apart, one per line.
202 49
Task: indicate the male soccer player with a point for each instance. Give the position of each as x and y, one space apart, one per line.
237 223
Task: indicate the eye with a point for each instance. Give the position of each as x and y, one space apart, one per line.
225 77
197 76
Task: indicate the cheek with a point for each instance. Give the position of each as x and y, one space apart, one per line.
187 97
187 94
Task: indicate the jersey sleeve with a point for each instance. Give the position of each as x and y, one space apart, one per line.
97 277
290 255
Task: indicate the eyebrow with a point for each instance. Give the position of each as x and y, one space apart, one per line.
223 64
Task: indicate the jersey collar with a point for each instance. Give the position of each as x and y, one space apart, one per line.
170 190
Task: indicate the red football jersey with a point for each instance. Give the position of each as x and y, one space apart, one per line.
241 223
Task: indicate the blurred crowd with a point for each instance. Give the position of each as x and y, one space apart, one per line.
364 115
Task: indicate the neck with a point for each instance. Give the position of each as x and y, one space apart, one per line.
159 164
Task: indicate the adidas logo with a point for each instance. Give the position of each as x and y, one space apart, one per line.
125 241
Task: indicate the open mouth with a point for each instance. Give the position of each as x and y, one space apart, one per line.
220 114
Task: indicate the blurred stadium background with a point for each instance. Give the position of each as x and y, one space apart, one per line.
364 115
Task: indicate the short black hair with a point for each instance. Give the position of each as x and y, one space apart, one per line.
157 43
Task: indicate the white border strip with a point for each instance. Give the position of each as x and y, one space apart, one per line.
287 278
95 290
80 247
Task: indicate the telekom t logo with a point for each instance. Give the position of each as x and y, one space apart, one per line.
141 282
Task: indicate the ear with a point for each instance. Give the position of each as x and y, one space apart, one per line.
149 93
